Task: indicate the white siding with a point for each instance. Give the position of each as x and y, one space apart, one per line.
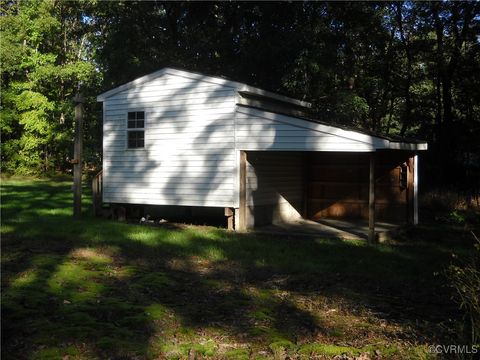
274 186
189 156
262 130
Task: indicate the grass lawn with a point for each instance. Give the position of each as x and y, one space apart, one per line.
98 289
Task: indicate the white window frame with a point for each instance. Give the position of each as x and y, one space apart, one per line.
128 130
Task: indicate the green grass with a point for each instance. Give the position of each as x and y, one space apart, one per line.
95 289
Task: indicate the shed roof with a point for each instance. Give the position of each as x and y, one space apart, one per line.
363 140
390 138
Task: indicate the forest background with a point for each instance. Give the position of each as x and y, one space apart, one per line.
408 69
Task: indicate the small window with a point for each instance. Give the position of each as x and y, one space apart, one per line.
136 139
136 130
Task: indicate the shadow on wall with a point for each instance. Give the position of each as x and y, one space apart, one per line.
189 161
189 155
275 186
284 186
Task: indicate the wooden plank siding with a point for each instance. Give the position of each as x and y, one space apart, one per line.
338 186
189 155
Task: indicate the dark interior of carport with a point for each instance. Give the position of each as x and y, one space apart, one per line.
328 185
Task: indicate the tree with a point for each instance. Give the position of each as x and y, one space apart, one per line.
40 73
402 68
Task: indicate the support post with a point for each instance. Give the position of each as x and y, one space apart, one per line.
243 192
230 215
77 157
411 189
371 200
415 189
305 182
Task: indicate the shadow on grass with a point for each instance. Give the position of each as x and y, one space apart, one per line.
101 289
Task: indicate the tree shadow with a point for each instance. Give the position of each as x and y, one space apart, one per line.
94 285
121 290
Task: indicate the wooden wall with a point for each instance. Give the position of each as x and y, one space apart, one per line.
274 186
338 185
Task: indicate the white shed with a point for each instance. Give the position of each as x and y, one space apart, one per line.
178 138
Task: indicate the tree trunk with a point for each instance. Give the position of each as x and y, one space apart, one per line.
407 115
438 114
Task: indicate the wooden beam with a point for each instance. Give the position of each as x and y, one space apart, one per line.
77 157
371 200
243 192
415 190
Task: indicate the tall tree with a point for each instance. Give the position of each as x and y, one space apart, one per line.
40 73
403 68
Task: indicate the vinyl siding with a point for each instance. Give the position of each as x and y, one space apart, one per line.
261 130
189 155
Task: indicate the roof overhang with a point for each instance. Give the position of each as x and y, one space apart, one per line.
250 90
417 146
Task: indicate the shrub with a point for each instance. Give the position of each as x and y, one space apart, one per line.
449 201
465 280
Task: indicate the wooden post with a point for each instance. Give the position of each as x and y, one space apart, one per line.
371 201
411 190
77 157
415 190
243 192
305 184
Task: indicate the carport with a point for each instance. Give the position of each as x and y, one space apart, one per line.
299 168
